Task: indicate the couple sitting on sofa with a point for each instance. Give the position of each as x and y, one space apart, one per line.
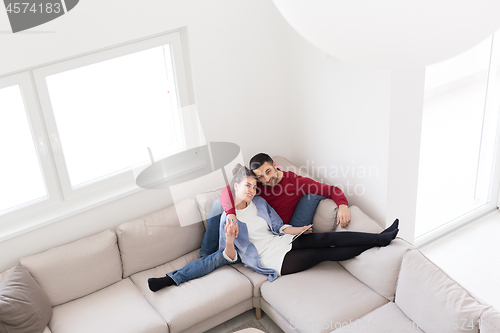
260 234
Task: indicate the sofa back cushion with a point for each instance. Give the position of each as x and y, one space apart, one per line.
5 273
205 201
286 165
434 301
76 269
158 238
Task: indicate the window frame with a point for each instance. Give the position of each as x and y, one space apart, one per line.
493 196
42 149
119 177
33 215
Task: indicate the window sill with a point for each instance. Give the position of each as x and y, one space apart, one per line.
64 210
67 209
454 225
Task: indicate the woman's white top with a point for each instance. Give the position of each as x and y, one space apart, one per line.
271 248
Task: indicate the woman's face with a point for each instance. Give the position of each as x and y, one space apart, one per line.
245 191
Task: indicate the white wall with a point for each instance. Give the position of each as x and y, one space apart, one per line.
407 98
340 129
358 128
236 50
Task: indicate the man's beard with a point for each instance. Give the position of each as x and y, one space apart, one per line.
274 180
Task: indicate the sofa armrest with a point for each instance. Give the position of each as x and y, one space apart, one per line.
325 219
360 222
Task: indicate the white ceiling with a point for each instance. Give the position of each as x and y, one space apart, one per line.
392 33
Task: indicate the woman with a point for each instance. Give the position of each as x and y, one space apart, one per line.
264 244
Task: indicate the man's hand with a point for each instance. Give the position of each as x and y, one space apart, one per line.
343 216
232 218
231 231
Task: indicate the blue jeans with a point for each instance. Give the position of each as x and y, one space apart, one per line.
210 242
199 267
211 258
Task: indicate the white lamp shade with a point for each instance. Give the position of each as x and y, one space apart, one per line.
392 33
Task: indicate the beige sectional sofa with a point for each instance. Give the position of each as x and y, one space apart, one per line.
99 284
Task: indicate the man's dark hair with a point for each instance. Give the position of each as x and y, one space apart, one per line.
259 159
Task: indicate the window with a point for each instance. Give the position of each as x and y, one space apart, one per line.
26 174
459 129
100 116
21 172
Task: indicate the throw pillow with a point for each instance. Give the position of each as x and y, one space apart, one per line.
24 307
304 211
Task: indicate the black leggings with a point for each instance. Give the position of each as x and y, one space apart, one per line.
310 249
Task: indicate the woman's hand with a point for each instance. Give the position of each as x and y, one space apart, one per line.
307 231
231 230
298 230
232 217
343 216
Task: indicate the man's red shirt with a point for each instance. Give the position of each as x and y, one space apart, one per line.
285 195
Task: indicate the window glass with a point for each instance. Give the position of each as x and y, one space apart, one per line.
108 113
21 173
458 135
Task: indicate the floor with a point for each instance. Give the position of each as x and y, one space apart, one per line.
471 256
236 322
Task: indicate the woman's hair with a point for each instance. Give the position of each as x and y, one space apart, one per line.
240 173
259 159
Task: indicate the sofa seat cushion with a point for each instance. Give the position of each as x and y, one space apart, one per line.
313 299
76 269
119 308
433 300
197 300
388 318
255 278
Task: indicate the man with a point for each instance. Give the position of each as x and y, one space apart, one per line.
281 189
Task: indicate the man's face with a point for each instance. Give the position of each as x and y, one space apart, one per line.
267 174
